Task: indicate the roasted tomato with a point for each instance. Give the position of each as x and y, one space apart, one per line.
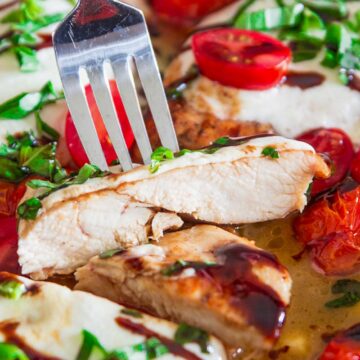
187 11
337 146
72 138
330 228
344 346
241 58
355 167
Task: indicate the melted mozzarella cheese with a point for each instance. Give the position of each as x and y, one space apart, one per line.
290 110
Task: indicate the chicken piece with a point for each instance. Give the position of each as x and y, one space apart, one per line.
47 321
226 184
195 129
203 276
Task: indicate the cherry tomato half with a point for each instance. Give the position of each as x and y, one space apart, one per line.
331 230
72 138
8 245
355 167
344 346
335 144
241 58
187 10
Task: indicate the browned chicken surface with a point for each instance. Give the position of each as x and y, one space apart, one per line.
204 276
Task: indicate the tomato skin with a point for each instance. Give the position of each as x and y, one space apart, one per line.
72 138
335 144
344 346
241 58
355 167
187 11
8 245
330 228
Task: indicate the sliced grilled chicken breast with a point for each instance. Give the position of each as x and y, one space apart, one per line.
244 182
47 321
203 276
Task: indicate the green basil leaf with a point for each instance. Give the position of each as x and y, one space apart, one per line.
89 345
9 170
11 352
29 209
155 349
37 184
270 152
132 312
26 103
158 156
271 19
12 289
44 129
27 58
31 26
24 39
180 265
110 253
351 293
188 334
335 9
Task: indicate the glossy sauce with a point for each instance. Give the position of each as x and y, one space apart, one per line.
8 5
172 346
304 80
9 332
259 303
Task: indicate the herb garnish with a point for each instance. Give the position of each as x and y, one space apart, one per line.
43 129
351 293
11 352
132 312
180 265
21 39
29 209
110 253
310 26
152 347
24 155
12 290
271 152
189 334
27 103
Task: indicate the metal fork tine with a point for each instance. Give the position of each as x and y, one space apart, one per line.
78 106
103 97
127 89
154 91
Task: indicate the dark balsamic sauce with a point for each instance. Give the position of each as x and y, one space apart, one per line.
9 5
304 80
9 332
172 346
353 333
354 83
260 304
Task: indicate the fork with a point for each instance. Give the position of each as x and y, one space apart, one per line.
100 32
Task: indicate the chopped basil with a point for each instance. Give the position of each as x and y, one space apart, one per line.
11 352
271 152
24 22
27 58
26 103
153 348
222 141
351 293
159 155
187 334
132 312
177 267
90 344
12 289
44 129
270 19
110 253
30 208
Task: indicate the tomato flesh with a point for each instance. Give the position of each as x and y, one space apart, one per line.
337 146
72 138
344 346
330 228
241 58
186 11
355 167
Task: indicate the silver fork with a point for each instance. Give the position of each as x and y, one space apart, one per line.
97 32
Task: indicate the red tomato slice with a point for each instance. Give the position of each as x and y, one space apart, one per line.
344 346
331 230
187 10
355 167
335 144
72 138
8 245
241 58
